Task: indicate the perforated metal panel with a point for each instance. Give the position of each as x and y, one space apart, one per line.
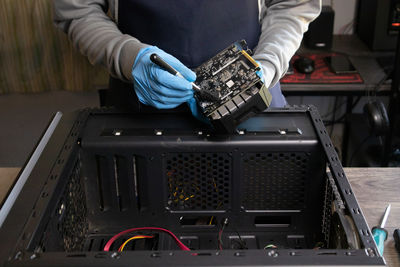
331 194
274 181
72 212
198 181
327 211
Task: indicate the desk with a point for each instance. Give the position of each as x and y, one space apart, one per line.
373 187
363 60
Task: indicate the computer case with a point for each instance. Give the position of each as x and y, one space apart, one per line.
320 31
374 23
274 193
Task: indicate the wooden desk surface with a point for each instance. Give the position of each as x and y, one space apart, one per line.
373 187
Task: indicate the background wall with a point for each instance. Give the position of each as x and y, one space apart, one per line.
345 14
35 56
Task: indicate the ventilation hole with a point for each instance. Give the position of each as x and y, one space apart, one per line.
356 211
274 180
71 213
195 184
365 232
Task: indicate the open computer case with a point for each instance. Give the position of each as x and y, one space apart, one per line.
274 193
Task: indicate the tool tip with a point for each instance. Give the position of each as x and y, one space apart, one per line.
196 87
389 206
385 216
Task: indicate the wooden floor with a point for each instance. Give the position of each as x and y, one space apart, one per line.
7 177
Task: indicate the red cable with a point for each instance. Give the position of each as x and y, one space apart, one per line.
178 242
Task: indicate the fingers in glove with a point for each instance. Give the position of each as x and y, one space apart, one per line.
162 91
144 97
161 105
170 81
185 71
167 96
159 101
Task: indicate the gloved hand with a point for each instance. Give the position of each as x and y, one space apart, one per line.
157 87
196 112
267 92
260 72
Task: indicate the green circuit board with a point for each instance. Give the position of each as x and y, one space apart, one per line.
225 76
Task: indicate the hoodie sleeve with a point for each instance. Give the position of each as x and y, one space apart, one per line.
283 23
97 36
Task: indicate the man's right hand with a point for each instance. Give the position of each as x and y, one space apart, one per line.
157 87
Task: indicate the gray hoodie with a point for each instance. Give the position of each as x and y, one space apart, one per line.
92 27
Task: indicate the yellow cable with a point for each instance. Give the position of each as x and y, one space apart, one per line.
133 238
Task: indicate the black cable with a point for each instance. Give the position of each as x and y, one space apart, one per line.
241 242
218 232
353 105
327 115
374 91
366 139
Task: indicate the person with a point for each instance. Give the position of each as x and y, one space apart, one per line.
121 35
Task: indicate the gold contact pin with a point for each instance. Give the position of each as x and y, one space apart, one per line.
249 58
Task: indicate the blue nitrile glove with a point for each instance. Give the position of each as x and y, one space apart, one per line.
157 87
196 111
260 72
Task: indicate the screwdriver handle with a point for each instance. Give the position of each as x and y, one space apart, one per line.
380 236
156 59
396 236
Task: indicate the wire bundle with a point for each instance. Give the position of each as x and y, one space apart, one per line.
121 248
112 240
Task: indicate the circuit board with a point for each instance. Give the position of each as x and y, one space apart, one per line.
226 75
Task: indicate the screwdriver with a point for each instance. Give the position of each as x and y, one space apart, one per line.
156 59
206 94
380 234
396 236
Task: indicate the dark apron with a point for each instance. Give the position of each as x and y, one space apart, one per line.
191 30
